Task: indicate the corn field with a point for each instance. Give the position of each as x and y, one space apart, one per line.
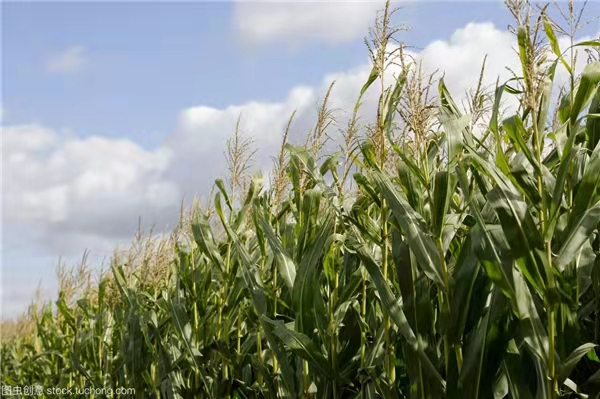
443 252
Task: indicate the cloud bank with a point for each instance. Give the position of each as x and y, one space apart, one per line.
74 193
332 22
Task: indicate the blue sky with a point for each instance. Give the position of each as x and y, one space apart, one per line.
147 61
113 111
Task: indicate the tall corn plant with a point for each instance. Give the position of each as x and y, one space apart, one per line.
484 270
468 270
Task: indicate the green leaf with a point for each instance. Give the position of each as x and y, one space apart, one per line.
579 233
501 160
570 362
568 154
368 151
587 86
367 187
553 41
205 240
415 229
391 103
466 273
532 330
442 194
546 100
372 77
587 43
306 295
393 307
412 166
453 129
410 185
446 101
489 254
285 264
485 349
256 185
516 131
587 190
524 42
221 185
181 324
287 372
301 345
517 223
251 278
593 124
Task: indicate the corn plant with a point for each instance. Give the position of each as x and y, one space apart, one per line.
463 262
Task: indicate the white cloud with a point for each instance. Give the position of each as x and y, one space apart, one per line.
461 57
74 185
68 186
293 22
70 60
96 186
75 193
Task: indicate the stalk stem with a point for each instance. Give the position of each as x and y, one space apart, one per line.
332 327
363 315
550 307
306 375
390 358
444 299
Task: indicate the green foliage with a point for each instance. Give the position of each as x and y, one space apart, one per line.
472 270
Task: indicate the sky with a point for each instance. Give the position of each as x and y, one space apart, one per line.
114 111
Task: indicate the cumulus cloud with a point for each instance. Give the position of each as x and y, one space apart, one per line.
272 21
65 185
69 186
298 21
77 192
460 58
71 60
